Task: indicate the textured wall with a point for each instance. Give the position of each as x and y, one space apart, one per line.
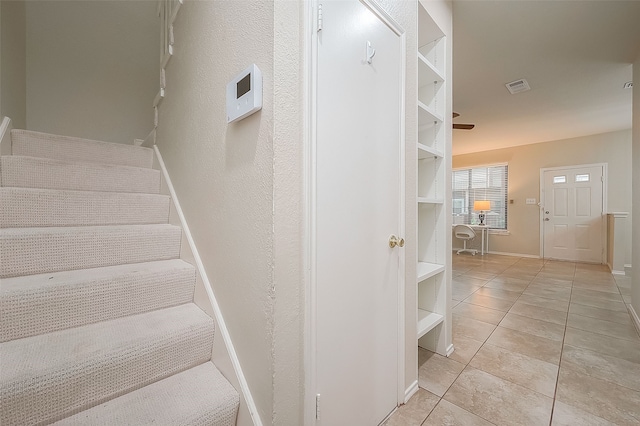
92 68
635 289
13 86
224 174
525 163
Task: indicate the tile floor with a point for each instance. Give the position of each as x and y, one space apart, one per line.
536 343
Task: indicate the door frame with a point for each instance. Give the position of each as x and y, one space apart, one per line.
310 71
605 180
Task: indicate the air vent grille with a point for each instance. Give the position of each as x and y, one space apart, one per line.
518 86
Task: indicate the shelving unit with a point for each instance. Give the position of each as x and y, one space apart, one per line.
434 168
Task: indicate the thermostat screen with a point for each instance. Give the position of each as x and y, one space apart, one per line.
244 86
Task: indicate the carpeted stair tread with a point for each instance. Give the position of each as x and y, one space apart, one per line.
196 397
28 251
33 172
51 376
37 144
38 304
34 207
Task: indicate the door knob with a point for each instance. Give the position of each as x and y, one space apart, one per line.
546 219
395 241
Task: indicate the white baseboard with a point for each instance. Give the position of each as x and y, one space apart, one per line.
221 326
634 316
410 391
529 256
5 136
450 349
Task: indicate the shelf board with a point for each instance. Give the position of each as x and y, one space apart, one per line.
427 321
427 270
427 72
425 151
427 116
425 200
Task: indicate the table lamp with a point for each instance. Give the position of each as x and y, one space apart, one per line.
481 206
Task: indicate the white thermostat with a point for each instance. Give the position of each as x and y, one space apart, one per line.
244 94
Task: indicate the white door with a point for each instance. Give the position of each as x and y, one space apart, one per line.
357 209
573 214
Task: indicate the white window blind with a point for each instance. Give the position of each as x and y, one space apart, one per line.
488 183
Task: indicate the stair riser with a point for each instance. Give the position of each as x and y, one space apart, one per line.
92 381
25 207
77 248
30 172
28 312
35 144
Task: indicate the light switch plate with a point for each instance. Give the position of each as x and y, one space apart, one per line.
531 200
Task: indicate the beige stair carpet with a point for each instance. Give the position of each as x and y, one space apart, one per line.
97 320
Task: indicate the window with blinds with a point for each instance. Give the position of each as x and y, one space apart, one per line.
487 183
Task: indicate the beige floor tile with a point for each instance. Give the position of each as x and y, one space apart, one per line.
522 275
599 303
548 291
527 344
543 302
470 328
462 292
499 293
464 348
616 370
517 368
625 291
506 283
608 328
599 397
499 401
602 277
552 282
450 414
437 373
479 275
537 312
620 348
627 299
415 410
596 294
545 329
598 286
551 276
603 314
480 313
489 302
566 415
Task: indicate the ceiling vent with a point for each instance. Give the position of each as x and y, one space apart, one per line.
518 86
628 85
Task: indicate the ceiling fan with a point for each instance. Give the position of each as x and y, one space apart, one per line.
462 126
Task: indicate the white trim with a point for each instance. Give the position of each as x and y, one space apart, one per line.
220 323
410 391
310 70
605 197
5 136
450 350
634 316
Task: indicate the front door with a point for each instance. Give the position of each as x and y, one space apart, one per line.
573 214
357 209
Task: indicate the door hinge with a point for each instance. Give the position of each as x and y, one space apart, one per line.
319 17
318 407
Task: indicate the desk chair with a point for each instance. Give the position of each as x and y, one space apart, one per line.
465 233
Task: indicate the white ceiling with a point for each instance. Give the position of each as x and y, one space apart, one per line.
576 56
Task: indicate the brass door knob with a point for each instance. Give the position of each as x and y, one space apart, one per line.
395 241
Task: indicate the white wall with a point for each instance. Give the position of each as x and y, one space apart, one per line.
239 185
525 163
92 68
13 95
635 286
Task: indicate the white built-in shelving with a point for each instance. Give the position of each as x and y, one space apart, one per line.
434 168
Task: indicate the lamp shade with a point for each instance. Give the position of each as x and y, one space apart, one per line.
481 205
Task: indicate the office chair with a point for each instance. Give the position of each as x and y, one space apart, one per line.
465 233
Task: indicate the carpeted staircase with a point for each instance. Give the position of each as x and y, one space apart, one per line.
97 324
